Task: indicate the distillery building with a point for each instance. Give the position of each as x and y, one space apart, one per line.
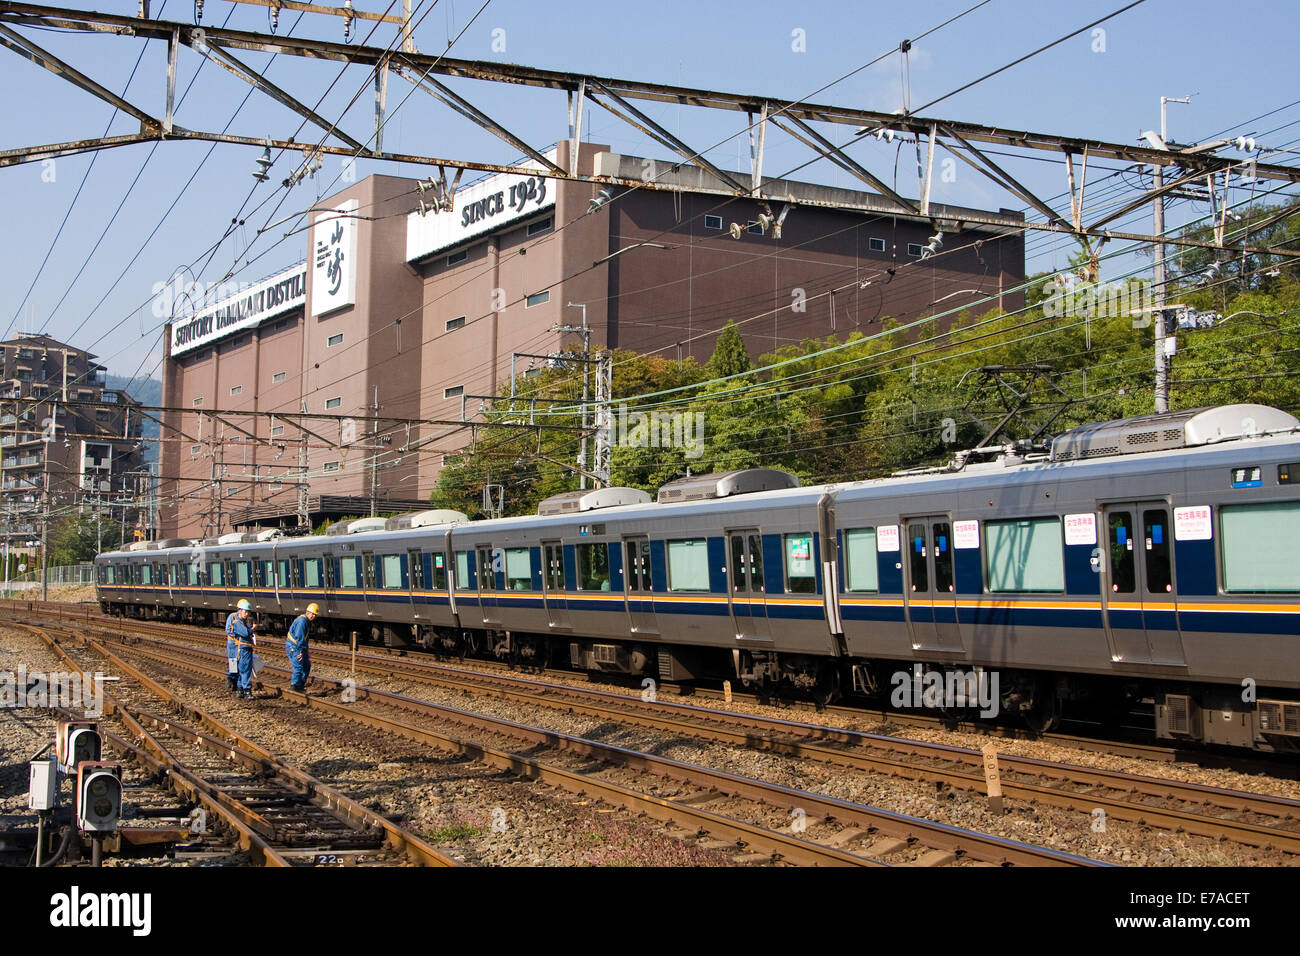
410 303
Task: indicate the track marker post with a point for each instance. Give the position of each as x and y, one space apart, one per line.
992 778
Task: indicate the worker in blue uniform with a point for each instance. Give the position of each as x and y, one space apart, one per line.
240 640
295 646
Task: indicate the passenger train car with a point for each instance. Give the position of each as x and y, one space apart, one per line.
1156 557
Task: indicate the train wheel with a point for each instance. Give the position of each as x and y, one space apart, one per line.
827 689
1045 712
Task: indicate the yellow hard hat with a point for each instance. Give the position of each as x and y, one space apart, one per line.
245 605
313 608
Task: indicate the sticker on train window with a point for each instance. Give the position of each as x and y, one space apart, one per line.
437 560
1246 477
800 548
887 537
965 534
1082 529
1193 524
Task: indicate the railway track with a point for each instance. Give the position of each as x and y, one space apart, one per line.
1134 745
1264 822
732 809
278 814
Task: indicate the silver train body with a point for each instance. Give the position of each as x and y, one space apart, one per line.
1155 558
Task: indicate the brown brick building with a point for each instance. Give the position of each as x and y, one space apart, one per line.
414 312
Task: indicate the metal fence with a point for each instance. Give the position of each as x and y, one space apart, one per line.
70 574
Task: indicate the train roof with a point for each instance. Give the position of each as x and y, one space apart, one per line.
1121 447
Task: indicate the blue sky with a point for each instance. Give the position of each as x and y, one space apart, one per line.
1239 61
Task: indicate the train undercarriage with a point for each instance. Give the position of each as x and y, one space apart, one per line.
1263 719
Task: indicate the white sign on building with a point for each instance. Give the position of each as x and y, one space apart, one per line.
334 258
477 209
248 308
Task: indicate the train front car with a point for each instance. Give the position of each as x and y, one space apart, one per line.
1150 559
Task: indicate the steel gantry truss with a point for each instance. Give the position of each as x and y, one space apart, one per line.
618 98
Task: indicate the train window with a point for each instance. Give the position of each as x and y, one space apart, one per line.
311 572
440 572
109 576
146 574
392 571
942 539
861 571
414 561
241 574
463 578
554 556
519 569
216 574
1123 576
269 580
368 567
1155 526
194 574
283 579
1025 555
638 564
1259 546
688 565
917 550
175 573
295 573
349 574
800 576
593 567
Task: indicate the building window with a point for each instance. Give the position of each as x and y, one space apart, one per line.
334 402
236 389
456 257
537 298
876 245
197 402
453 324
330 466
196 449
333 340
712 222
277 429
913 248
277 378
755 228
540 226
456 391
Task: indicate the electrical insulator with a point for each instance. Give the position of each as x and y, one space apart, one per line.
347 21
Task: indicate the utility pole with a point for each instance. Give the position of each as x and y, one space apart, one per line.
374 456
586 356
1158 212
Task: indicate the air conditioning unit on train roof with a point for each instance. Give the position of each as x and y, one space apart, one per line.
590 499
426 519
1182 429
173 543
236 537
723 484
357 526
270 534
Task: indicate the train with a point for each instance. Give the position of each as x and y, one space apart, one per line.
1149 561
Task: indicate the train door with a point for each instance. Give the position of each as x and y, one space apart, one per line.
415 581
490 561
638 591
931 587
1141 603
557 605
746 593
369 585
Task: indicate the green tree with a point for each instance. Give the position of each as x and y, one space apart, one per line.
73 538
